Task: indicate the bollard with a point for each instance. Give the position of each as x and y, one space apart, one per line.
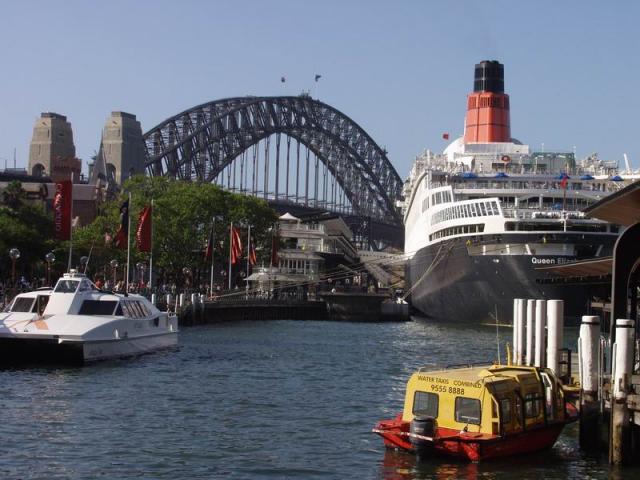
531 314
169 301
194 299
555 326
589 353
181 301
519 347
514 322
541 323
153 298
622 369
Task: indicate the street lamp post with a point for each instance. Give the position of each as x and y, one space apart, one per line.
114 269
49 258
83 263
14 254
186 271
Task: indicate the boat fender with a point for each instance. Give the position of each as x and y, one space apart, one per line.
423 426
505 158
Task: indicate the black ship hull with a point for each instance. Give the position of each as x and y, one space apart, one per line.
449 282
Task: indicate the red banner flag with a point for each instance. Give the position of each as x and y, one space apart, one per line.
143 232
122 234
445 136
236 245
564 181
252 254
62 202
208 251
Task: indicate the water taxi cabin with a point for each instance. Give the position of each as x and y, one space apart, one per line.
479 412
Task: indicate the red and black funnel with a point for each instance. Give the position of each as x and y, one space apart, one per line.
487 119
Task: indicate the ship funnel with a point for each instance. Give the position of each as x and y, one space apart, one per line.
487 119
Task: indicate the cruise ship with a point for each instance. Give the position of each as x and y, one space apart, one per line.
482 216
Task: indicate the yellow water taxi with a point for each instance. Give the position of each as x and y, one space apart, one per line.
479 412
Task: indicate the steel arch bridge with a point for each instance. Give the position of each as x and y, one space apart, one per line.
325 162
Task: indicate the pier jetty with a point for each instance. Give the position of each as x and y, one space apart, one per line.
331 306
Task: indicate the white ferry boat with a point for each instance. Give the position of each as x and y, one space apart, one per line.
75 322
484 214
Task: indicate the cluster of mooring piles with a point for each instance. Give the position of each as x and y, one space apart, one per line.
609 402
538 327
605 387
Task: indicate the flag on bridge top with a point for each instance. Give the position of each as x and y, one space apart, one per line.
445 136
143 232
282 79
318 77
122 235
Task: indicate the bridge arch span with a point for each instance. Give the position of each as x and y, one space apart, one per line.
238 140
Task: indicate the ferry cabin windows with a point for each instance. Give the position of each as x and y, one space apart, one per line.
532 405
22 305
133 309
505 410
97 307
468 410
425 403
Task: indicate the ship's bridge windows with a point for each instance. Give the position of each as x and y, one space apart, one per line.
468 410
66 286
425 403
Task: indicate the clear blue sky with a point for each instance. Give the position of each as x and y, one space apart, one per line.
401 69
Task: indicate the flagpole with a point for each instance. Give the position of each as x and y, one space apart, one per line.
246 278
71 226
126 283
151 253
213 251
230 252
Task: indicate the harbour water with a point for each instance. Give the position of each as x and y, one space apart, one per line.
271 399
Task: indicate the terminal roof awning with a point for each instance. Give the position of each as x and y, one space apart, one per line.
583 268
622 207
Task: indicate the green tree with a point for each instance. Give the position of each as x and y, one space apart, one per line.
183 213
26 226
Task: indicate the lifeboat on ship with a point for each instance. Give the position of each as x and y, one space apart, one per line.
477 413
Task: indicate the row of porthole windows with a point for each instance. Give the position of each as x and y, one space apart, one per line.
466 210
458 230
